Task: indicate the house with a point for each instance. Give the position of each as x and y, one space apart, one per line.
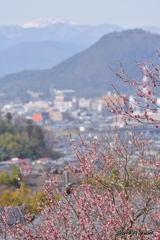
23 164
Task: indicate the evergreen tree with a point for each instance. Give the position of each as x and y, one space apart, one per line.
9 117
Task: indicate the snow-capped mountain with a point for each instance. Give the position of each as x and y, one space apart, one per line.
54 30
40 23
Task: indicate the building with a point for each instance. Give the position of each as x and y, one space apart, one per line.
13 108
37 117
63 106
35 94
59 116
36 105
135 106
85 103
64 100
115 100
64 95
24 164
96 104
40 117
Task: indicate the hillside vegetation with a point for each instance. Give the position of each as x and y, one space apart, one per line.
25 142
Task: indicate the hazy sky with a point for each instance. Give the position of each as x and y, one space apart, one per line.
126 13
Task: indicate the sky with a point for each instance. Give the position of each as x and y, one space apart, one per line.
125 13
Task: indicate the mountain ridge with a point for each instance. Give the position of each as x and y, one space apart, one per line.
87 72
35 55
82 35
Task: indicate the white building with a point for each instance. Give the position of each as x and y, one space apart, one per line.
64 100
36 105
85 103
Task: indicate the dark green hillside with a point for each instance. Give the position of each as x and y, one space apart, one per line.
87 72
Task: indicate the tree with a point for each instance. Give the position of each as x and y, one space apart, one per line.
9 117
119 195
38 136
23 141
29 128
10 177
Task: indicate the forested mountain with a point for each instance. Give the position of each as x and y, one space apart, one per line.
87 72
152 29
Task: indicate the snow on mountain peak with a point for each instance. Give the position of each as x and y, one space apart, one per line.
40 23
